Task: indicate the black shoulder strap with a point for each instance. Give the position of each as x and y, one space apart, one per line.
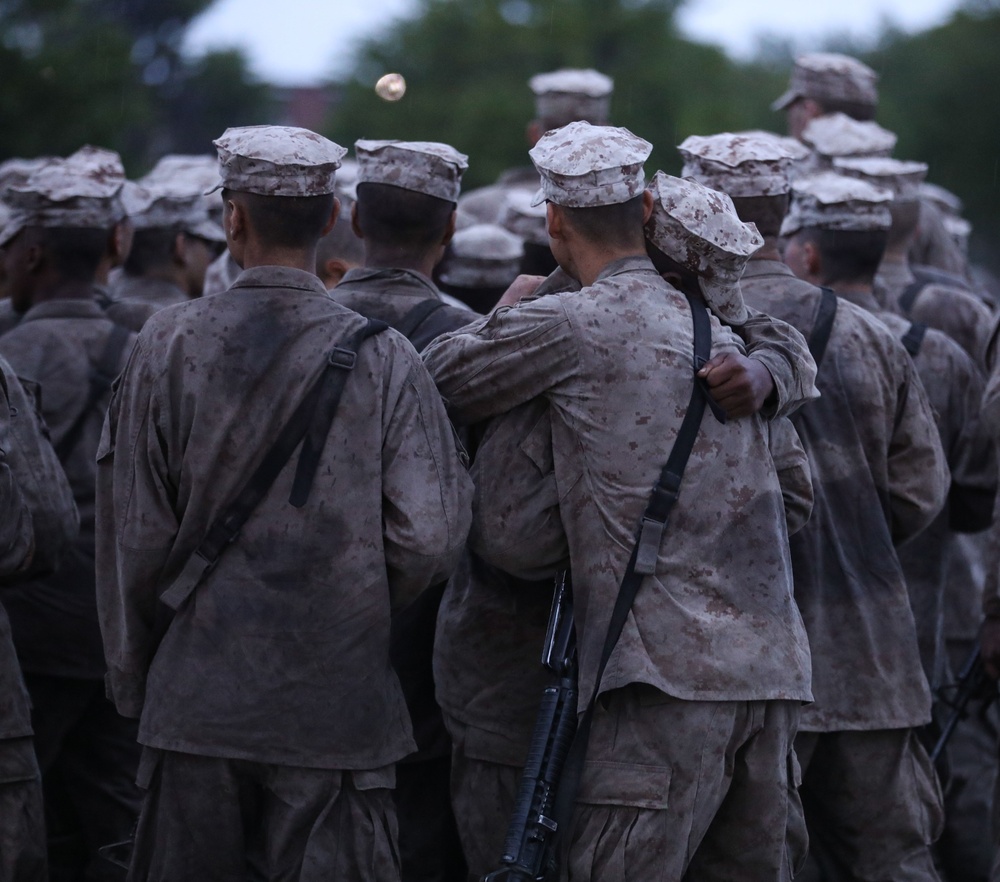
820 336
417 316
914 337
643 560
909 296
102 375
313 416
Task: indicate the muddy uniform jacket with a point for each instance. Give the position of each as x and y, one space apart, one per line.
389 294
135 299
56 346
281 654
879 477
717 621
954 388
959 314
17 542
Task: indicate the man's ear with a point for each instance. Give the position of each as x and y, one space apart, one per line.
533 131
236 226
812 259
449 229
333 271
355 226
334 214
178 250
648 203
555 221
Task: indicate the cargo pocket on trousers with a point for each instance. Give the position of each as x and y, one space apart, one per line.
379 859
796 834
620 822
927 796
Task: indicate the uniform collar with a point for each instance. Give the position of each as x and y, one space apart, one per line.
395 275
280 277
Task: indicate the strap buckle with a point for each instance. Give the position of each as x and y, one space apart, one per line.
342 358
648 548
197 567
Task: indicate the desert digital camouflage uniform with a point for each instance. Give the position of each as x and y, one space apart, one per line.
956 312
879 478
429 848
479 264
490 706
683 653
22 821
274 679
86 751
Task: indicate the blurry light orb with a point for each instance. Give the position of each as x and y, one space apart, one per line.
391 87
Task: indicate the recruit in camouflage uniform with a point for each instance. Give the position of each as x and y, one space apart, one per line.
591 354
870 438
954 387
40 520
174 242
272 682
823 83
65 344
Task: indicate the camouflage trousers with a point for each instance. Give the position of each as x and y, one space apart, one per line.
22 817
235 820
873 804
671 789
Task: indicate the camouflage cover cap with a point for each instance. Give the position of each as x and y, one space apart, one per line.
700 229
563 96
585 166
82 190
422 166
524 218
837 134
277 161
483 256
902 179
830 76
944 199
157 207
744 164
958 228
829 201
17 170
183 174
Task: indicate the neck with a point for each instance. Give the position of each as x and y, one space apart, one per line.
294 258
768 251
589 263
895 256
380 255
62 289
847 289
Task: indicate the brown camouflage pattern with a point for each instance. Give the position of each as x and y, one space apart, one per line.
281 655
592 355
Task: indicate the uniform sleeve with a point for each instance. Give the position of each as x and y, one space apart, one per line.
794 476
516 525
785 354
510 357
971 451
39 476
427 491
17 540
136 527
918 476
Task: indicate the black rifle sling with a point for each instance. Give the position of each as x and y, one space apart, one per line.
412 321
313 415
913 339
909 296
102 376
820 336
641 564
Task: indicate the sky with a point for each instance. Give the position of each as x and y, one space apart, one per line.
311 40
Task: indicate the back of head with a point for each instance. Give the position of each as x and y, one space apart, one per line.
571 95
838 83
405 219
902 179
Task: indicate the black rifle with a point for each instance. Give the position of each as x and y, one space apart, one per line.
530 851
973 683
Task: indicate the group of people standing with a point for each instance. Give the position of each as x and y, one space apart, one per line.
298 445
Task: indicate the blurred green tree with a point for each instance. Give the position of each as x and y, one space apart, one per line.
110 72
